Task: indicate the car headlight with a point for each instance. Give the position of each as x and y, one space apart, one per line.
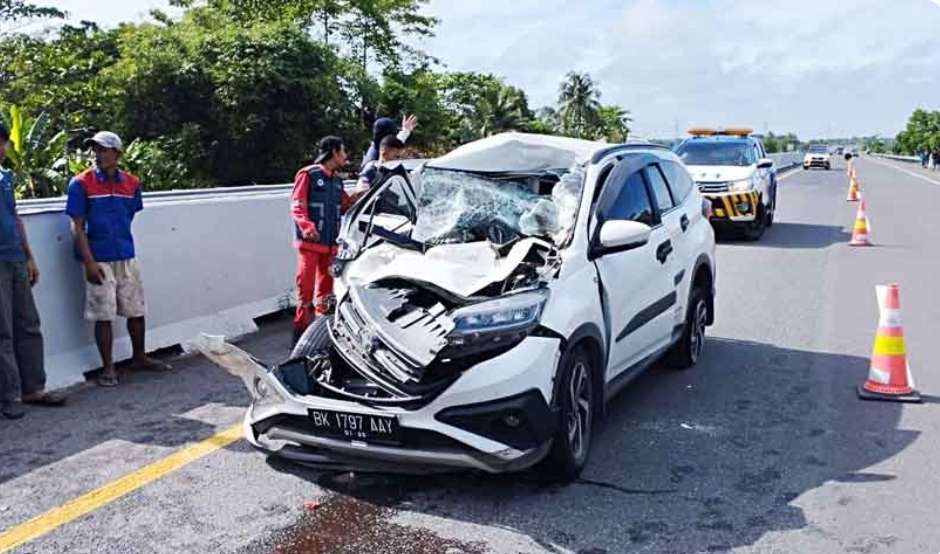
497 322
264 393
741 186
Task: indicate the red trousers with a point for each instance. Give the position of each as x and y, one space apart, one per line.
314 286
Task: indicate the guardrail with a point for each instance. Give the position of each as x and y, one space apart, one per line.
212 260
913 159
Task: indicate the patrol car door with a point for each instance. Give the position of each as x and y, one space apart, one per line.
389 208
637 288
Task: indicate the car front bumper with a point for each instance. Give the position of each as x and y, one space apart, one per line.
734 207
463 428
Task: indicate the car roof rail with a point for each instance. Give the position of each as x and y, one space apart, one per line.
601 154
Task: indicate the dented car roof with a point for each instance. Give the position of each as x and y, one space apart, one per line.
519 153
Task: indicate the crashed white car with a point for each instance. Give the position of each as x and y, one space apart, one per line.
488 305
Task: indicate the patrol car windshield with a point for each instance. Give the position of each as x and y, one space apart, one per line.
819 149
694 152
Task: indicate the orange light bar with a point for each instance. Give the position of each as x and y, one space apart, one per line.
736 131
701 132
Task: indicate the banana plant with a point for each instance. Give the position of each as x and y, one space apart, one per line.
40 164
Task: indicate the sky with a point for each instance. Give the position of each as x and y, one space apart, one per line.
816 68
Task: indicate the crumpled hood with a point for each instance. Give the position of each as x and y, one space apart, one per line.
462 269
720 173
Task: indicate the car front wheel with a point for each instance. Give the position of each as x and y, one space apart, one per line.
688 351
576 405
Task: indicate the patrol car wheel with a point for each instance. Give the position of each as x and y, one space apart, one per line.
754 230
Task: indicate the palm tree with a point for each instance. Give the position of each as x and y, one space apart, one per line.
614 123
578 104
499 110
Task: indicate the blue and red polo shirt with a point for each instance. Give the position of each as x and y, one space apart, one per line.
11 244
108 206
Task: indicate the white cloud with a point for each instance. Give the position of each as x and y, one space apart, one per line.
813 67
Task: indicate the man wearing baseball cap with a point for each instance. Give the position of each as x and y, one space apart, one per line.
102 203
317 203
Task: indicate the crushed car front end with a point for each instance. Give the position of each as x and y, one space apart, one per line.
436 357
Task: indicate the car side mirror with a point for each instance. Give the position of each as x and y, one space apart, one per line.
624 235
765 163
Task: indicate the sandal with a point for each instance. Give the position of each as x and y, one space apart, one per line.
47 399
107 381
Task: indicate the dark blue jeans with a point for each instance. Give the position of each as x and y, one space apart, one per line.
21 355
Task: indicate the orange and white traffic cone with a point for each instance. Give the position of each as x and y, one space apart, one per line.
853 191
861 228
889 377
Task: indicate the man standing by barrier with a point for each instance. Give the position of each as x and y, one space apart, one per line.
317 203
102 203
21 353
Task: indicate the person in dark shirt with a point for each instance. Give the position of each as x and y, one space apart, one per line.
389 150
21 349
383 127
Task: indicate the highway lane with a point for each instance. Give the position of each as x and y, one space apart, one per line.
762 448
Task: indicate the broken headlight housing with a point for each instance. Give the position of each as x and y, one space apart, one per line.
497 323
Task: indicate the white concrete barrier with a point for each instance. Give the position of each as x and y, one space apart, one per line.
211 260
912 159
786 160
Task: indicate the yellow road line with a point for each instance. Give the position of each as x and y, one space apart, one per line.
789 174
91 501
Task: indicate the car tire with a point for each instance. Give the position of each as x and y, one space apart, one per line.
314 339
772 210
576 407
688 351
828 167
754 230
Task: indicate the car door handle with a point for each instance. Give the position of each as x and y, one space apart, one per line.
663 251
684 222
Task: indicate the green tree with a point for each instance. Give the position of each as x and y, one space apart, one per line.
613 124
578 105
15 10
38 158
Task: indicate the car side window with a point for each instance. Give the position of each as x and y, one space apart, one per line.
679 181
632 202
660 190
757 154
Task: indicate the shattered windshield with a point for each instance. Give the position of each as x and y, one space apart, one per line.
458 207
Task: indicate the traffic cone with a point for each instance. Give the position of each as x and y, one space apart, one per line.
853 191
860 229
889 377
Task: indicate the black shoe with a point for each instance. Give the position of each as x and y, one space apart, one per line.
12 411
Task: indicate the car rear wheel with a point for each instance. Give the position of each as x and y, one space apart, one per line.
314 339
576 405
688 351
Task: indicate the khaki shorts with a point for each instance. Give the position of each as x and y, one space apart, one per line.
121 293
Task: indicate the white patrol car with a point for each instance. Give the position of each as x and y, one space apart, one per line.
733 172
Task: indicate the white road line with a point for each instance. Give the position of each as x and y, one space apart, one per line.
790 174
902 170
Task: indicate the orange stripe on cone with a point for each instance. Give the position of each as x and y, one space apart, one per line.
889 375
853 195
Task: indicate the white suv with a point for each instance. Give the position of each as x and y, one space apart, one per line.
488 305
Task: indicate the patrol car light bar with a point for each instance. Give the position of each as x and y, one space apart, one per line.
730 131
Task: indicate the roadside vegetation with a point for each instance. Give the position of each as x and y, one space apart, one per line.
236 92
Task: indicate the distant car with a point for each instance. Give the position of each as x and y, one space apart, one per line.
817 156
733 172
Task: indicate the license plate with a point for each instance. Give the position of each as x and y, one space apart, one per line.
361 427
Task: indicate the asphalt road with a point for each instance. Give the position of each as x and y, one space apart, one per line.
762 448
